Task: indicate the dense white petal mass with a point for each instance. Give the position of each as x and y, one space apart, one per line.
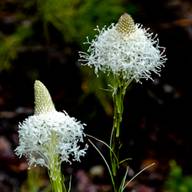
134 55
49 134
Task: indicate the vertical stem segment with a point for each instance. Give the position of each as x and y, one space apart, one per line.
118 110
115 144
57 179
55 175
117 119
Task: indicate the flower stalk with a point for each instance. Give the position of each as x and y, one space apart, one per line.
56 178
119 90
55 175
127 52
49 138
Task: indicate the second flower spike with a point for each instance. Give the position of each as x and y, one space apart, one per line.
49 133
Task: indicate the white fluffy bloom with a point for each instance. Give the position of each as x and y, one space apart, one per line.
49 134
125 49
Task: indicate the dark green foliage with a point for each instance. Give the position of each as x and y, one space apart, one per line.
11 44
73 20
76 19
176 181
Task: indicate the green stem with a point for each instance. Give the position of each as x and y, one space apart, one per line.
115 144
55 175
56 179
117 119
118 110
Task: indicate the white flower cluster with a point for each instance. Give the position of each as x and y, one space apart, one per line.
125 49
50 134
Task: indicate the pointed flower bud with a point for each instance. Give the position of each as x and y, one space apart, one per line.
48 134
43 101
126 50
125 24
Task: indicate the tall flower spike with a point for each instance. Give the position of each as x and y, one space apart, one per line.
126 50
125 24
43 101
49 135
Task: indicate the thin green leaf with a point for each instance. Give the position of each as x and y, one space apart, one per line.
104 144
70 181
108 167
122 161
121 188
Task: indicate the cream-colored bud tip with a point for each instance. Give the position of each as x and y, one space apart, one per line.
125 24
43 101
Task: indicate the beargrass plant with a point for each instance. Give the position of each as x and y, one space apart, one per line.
125 52
49 138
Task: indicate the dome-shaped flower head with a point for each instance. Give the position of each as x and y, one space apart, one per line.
48 136
126 50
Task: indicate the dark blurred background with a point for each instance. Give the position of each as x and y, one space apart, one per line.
40 39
